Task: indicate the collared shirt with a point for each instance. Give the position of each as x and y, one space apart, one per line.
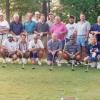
30 27
72 47
96 27
54 45
16 28
71 29
32 44
59 29
42 27
4 25
83 28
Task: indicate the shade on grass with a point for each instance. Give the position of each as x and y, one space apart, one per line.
42 84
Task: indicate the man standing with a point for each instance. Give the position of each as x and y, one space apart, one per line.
59 29
42 30
71 27
83 28
29 25
16 27
95 29
4 28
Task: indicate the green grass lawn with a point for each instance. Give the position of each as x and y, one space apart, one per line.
42 84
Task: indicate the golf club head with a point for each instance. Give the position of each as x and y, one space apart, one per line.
73 69
33 67
50 69
86 70
3 66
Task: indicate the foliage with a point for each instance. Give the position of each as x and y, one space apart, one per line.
91 8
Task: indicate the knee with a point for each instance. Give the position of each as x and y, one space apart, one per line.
78 57
60 53
40 54
98 57
65 56
14 57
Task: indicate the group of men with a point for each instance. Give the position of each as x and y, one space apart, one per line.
37 38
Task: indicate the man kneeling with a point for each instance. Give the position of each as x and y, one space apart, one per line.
54 47
72 50
9 48
37 49
93 57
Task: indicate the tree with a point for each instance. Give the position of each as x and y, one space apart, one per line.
91 8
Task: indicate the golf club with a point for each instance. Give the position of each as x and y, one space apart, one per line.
53 57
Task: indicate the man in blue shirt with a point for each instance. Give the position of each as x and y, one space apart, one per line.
29 25
54 47
16 26
95 29
72 50
93 53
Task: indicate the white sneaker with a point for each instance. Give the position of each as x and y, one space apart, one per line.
39 63
98 65
93 64
24 60
58 64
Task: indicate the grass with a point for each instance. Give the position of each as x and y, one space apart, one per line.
42 84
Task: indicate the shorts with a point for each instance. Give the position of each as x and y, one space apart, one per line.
50 57
34 55
81 40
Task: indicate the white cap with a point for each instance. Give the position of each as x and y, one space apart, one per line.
10 35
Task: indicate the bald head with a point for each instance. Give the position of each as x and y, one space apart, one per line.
54 37
57 20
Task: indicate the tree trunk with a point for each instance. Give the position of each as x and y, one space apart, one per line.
8 10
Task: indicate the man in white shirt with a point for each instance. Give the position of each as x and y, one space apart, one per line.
37 49
71 27
4 27
9 48
83 28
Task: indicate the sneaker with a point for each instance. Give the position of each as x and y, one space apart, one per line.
58 64
39 63
93 64
98 65
24 60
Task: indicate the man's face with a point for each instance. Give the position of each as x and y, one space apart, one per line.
16 18
1 17
23 38
51 16
71 20
98 20
37 16
57 20
93 41
29 16
54 37
42 18
10 39
82 17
